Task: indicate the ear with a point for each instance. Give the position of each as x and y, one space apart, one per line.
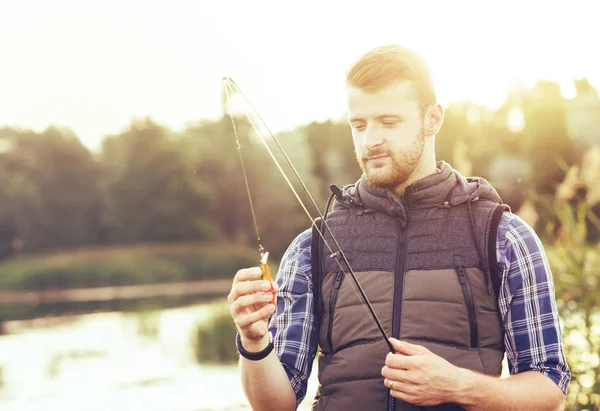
434 117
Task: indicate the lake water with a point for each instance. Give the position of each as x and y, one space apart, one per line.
100 362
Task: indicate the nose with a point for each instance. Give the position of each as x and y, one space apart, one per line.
372 138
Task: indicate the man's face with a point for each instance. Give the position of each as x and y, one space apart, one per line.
387 129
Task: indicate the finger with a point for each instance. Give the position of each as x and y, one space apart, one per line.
248 287
247 274
400 386
246 301
397 375
273 291
403 347
400 392
246 320
399 361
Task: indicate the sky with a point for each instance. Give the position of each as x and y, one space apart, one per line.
93 66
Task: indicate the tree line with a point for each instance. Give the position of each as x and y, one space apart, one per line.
151 184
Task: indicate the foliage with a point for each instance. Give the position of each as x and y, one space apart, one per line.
49 190
213 340
212 146
151 184
575 264
114 266
151 192
125 265
332 155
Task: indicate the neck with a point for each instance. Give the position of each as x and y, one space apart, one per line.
427 166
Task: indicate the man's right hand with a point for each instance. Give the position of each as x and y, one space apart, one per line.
250 306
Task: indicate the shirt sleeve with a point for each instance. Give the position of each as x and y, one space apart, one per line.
293 325
533 339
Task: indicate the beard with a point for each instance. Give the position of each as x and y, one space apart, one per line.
395 169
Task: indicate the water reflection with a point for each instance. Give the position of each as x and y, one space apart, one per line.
102 362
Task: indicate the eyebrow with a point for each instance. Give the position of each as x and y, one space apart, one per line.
379 117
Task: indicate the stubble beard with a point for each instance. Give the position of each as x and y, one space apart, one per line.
396 169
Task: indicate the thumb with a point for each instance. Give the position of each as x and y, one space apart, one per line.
406 348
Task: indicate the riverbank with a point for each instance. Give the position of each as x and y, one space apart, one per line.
123 292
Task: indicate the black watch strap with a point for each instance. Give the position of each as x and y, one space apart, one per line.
253 356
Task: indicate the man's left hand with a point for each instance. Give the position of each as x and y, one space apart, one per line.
420 377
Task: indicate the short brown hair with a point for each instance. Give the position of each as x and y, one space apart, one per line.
384 65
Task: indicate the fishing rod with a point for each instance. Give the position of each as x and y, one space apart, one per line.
229 84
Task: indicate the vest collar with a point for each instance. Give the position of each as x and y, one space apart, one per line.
443 188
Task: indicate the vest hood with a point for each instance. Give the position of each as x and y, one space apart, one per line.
444 188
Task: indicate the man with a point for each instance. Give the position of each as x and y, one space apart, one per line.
455 279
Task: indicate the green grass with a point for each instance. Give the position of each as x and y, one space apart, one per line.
113 266
127 265
213 340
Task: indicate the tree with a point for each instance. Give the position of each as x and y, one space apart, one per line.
49 188
151 192
332 155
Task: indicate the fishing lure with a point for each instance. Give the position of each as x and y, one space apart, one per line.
266 273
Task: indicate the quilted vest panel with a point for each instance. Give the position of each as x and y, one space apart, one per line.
428 282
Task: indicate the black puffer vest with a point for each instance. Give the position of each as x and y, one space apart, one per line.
422 260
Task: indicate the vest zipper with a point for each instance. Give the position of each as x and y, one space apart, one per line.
399 282
332 300
468 295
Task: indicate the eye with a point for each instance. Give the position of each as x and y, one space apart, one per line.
390 123
358 126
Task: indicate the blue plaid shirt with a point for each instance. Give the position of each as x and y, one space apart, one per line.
532 341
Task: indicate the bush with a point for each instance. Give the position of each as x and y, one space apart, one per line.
214 340
127 265
574 262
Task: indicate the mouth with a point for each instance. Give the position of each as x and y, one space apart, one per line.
378 157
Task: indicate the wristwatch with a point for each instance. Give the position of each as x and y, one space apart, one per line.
254 356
